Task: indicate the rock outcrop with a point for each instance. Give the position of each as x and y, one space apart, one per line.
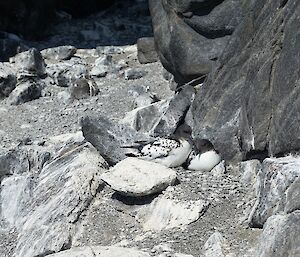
248 105
190 35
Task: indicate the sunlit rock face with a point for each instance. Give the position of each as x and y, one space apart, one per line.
249 104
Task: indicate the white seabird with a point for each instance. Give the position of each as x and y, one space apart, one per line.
203 157
171 152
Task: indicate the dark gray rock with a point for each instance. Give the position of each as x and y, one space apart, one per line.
145 119
8 80
134 73
30 63
25 92
108 137
146 50
280 237
83 88
13 162
191 35
277 189
10 45
248 106
175 113
59 53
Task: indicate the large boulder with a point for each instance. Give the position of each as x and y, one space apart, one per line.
280 237
191 35
249 105
278 189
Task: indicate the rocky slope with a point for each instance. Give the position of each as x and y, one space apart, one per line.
66 111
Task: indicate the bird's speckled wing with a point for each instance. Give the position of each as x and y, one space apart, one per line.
159 148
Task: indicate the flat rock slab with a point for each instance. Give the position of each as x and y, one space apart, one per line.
101 251
135 177
166 213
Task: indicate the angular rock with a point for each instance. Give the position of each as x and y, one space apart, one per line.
15 192
8 80
165 213
214 246
246 104
25 92
281 236
59 53
134 73
135 177
175 113
145 119
30 63
101 251
250 171
83 88
108 137
13 162
146 50
219 170
278 189
63 190
65 73
102 66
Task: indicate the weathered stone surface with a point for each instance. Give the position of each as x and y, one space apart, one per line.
101 251
281 236
219 170
190 36
250 171
63 190
146 50
13 162
247 107
145 118
83 88
175 113
102 66
64 74
145 99
8 80
135 177
215 246
134 73
59 53
278 189
164 213
108 137
25 92
30 63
